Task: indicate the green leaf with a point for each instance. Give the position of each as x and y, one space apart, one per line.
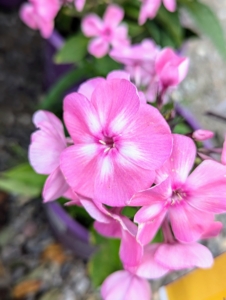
65 82
102 66
208 23
166 40
171 25
105 261
154 31
182 128
158 237
134 29
22 180
73 51
129 211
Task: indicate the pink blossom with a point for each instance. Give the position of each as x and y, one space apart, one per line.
40 14
188 201
118 143
139 60
170 68
106 32
202 135
47 144
149 8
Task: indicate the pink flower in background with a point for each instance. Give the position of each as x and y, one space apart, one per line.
171 68
40 14
202 135
188 201
47 144
139 60
149 8
106 32
118 143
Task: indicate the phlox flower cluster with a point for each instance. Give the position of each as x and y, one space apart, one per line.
154 71
121 152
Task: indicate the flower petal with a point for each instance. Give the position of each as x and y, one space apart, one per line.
79 166
147 231
95 212
87 87
27 15
212 230
112 229
146 141
130 250
148 213
80 118
113 15
47 143
79 4
98 47
118 74
116 103
170 5
148 10
180 162
91 25
181 256
156 195
122 285
55 186
118 179
149 268
188 223
206 187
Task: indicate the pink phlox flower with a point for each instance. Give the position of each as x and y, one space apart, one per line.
139 61
149 9
132 283
118 143
106 32
170 68
110 223
40 14
188 201
202 135
47 144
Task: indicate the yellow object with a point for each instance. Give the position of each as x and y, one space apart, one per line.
200 284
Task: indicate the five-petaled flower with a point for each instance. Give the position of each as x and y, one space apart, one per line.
106 32
188 201
118 142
